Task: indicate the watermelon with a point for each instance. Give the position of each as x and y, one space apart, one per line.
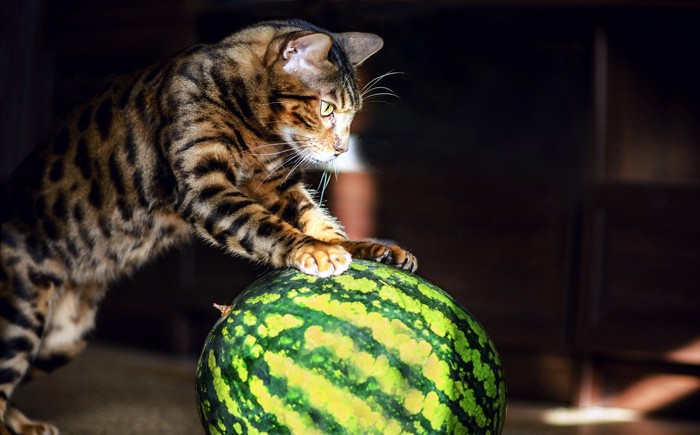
374 350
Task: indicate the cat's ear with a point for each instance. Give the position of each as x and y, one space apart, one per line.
307 50
358 46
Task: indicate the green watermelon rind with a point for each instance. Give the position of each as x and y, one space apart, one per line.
468 395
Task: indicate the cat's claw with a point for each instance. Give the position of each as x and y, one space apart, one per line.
410 263
321 259
387 256
403 259
381 253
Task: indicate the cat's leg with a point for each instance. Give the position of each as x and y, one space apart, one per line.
315 222
230 218
298 207
69 327
313 250
24 307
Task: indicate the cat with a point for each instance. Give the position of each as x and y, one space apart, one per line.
207 143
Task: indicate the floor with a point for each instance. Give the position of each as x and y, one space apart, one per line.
110 390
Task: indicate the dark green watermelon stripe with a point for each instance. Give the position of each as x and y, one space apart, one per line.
284 411
356 313
466 386
406 309
443 326
342 405
249 331
282 405
292 407
427 293
241 333
234 418
296 399
361 342
435 306
341 359
429 303
443 302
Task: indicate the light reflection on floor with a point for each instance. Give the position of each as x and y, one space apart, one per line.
531 418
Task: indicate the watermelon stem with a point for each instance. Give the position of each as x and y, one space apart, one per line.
225 309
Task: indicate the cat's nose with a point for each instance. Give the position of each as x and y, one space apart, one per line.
340 146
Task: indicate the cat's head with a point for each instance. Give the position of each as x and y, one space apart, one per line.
313 92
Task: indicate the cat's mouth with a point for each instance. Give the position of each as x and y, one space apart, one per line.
310 150
319 157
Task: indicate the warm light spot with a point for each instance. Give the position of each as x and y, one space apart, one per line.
656 391
592 415
687 354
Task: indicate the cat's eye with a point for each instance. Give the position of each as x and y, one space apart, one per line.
326 108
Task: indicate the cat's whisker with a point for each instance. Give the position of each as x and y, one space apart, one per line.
377 102
254 149
380 94
273 144
277 153
299 162
290 160
378 78
323 184
379 88
270 153
371 91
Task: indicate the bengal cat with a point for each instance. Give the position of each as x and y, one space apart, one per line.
205 144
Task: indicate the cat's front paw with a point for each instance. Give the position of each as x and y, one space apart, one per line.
387 254
321 259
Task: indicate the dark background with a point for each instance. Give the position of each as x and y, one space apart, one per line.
543 163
